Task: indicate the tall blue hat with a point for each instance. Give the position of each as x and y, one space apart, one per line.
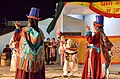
34 13
99 21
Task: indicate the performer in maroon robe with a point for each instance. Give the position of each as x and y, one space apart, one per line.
97 53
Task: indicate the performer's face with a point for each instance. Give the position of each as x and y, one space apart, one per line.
63 38
95 28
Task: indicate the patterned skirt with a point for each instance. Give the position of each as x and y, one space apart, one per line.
20 74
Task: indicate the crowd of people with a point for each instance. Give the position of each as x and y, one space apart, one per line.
51 51
31 53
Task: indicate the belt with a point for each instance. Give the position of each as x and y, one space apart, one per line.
71 53
97 48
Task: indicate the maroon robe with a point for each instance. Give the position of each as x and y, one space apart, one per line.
95 58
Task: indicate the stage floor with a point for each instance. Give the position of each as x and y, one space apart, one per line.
55 72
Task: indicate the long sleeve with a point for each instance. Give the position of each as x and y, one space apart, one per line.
17 35
95 39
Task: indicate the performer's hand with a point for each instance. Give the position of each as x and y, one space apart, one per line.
87 27
62 53
17 24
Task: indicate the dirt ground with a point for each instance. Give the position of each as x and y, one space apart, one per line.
52 72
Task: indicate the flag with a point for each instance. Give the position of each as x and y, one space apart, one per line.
57 14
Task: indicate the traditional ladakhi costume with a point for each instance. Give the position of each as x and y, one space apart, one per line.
14 55
97 54
30 61
70 58
14 44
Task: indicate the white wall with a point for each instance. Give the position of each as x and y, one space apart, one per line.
111 25
89 19
4 39
71 24
43 26
11 23
77 16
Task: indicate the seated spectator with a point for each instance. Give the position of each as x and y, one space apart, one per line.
8 51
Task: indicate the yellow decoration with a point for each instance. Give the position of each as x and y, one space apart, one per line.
83 49
112 7
105 8
81 3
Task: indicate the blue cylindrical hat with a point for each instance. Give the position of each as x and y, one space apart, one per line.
99 20
34 13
